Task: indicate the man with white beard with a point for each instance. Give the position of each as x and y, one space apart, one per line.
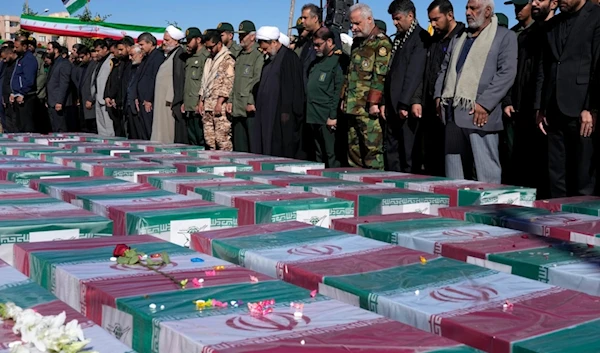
279 121
168 125
478 70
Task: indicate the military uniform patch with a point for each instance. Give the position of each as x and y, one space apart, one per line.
383 51
187 33
322 77
365 63
241 26
219 25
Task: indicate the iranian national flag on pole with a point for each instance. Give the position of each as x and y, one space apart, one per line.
74 5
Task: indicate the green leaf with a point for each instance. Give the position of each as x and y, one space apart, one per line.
131 253
165 257
150 262
134 260
122 260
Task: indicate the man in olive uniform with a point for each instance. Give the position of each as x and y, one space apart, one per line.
502 19
364 90
325 80
194 68
298 44
248 68
227 32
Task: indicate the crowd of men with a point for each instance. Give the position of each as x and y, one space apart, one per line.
471 101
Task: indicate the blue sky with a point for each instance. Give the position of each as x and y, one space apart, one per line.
208 13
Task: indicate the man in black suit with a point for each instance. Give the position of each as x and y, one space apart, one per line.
567 97
145 83
59 80
407 66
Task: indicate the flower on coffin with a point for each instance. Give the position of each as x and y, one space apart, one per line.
130 257
210 273
210 303
43 334
219 268
313 293
423 260
261 308
253 279
197 283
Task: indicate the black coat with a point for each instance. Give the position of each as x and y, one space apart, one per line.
146 78
59 83
406 70
179 60
569 75
522 94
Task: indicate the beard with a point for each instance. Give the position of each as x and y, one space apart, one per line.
540 14
476 22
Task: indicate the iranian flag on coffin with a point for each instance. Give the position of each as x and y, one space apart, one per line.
108 150
175 148
135 143
172 182
336 173
147 156
350 225
212 192
76 192
11 191
460 301
251 158
273 206
225 155
23 174
212 167
171 159
63 158
50 140
33 151
284 165
431 235
173 220
272 251
107 139
46 185
16 160
95 167
34 220
468 192
331 186
18 289
255 174
589 205
203 241
302 182
566 226
391 201
188 188
401 180
96 200
131 172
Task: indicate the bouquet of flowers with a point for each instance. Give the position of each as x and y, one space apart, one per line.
43 334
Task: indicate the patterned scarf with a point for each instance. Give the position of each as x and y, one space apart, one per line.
399 41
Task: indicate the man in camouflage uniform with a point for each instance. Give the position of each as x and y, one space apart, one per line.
363 93
227 32
194 69
248 68
217 83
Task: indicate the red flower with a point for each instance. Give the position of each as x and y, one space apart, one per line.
120 250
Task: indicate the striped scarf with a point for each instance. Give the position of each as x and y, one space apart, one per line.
399 41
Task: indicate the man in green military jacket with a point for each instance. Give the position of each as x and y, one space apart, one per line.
227 32
363 90
248 68
194 68
325 80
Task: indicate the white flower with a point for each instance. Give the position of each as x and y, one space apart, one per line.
74 331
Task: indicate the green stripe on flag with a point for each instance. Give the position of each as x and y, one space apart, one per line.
76 22
590 208
387 231
584 338
42 264
408 278
229 249
25 294
528 263
180 305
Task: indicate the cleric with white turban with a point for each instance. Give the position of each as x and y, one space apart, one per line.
175 33
285 40
268 33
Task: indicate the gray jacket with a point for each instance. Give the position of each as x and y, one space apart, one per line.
497 78
59 79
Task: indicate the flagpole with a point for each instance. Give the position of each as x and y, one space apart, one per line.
291 19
